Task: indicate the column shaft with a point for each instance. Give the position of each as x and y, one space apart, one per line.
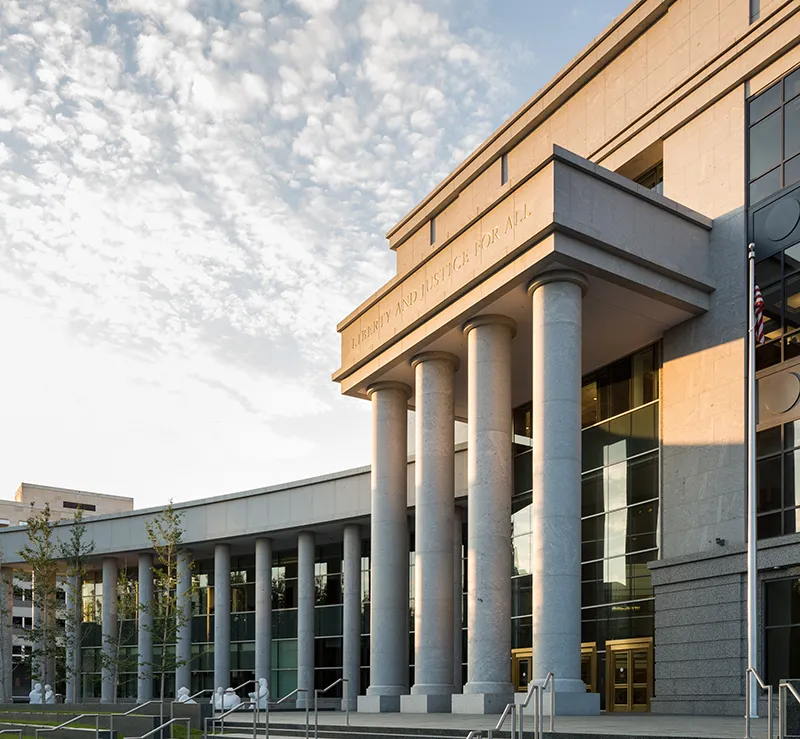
433 536
6 633
72 633
183 653
388 548
222 616
144 691
490 480
556 510
458 657
263 609
108 685
351 642
306 601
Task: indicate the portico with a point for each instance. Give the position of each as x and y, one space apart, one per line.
568 269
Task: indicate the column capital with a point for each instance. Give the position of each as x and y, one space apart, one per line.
491 319
436 357
389 385
559 275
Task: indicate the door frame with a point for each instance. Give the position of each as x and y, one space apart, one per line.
624 645
589 648
516 656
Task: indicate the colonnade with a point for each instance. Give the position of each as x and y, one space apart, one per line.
556 304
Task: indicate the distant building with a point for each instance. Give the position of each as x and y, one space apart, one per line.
64 503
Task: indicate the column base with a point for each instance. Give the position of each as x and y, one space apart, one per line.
566 704
425 703
378 703
480 703
353 703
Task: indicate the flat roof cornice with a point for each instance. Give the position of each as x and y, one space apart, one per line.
610 43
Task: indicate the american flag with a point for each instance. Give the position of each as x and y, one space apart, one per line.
759 326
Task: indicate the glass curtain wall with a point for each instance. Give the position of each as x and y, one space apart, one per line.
619 506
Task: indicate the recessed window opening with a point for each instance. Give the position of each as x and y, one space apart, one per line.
504 169
653 179
433 230
79 506
755 10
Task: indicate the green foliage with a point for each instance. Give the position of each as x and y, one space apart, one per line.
165 532
40 554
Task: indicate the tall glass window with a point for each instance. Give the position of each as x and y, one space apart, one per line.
778 480
782 629
778 278
774 138
619 505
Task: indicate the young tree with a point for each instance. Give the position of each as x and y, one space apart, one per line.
119 659
6 638
75 552
40 555
165 532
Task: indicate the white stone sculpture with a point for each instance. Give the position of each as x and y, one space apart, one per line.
218 699
35 696
230 699
183 696
262 694
49 695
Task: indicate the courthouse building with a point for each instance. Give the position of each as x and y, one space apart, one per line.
576 293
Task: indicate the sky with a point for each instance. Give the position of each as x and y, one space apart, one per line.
194 192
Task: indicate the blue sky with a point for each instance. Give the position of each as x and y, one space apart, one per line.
194 192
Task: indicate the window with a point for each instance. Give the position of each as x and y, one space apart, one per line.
778 480
755 10
782 629
778 277
774 138
80 506
4 522
653 179
504 169
433 231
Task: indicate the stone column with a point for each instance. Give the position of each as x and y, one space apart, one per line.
351 642
389 549
556 510
458 657
144 690
306 601
6 632
490 481
222 616
183 648
433 522
109 630
72 632
264 609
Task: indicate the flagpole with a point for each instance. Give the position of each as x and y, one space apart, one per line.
752 569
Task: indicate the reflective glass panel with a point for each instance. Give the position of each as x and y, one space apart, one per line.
765 145
765 186
791 128
767 102
792 171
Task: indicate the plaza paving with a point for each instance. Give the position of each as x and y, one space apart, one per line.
627 725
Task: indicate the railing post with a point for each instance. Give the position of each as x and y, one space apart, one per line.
306 692
266 720
781 698
747 703
316 714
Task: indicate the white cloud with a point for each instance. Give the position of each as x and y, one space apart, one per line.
192 194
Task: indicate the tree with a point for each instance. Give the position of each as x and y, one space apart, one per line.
120 660
40 555
6 638
75 552
165 532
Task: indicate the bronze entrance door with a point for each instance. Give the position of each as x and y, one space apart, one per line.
629 675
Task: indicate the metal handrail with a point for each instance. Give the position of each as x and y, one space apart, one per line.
510 708
296 691
95 716
318 693
783 686
12 731
134 709
171 723
221 717
243 685
537 707
751 671
551 680
475 735
186 702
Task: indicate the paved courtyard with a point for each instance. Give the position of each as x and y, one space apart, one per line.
632 725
